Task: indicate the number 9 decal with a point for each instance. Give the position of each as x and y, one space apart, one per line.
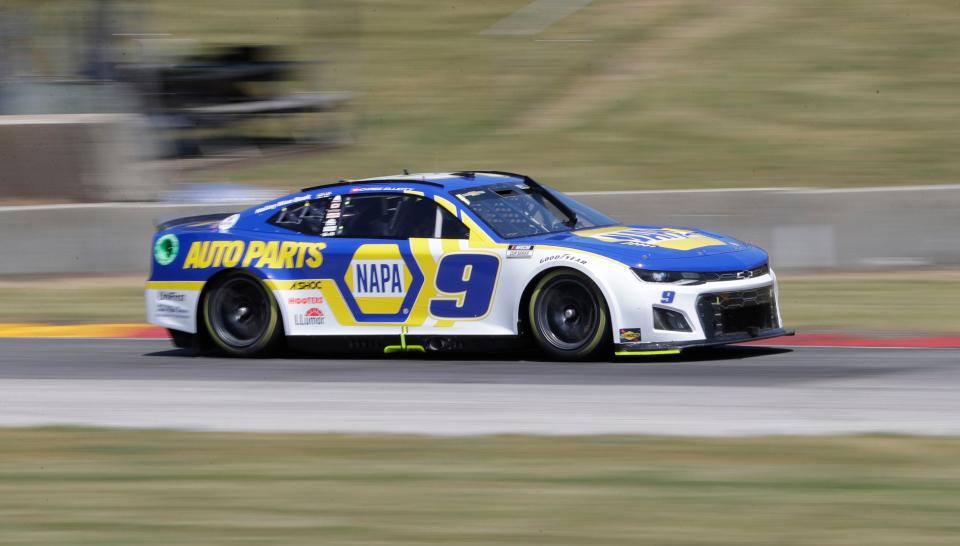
470 280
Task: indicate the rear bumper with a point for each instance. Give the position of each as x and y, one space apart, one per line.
641 349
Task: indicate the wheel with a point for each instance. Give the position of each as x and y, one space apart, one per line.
568 317
241 316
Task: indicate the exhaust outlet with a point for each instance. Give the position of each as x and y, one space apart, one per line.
438 344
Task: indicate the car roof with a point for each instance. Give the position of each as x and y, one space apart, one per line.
449 181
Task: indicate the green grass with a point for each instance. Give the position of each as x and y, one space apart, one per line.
860 305
675 94
67 487
72 304
910 305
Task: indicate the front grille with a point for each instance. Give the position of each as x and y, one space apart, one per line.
739 312
736 275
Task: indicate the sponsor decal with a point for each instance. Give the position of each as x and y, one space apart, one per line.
312 317
262 254
520 251
333 214
380 188
166 248
167 310
378 278
227 223
465 197
563 257
306 285
305 300
677 239
629 334
283 203
165 295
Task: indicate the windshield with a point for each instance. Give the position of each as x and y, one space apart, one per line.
518 210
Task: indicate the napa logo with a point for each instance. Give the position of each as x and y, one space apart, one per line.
379 278
676 239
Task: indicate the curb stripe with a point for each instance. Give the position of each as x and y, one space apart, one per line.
83 330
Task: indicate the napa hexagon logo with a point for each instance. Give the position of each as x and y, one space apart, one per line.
382 283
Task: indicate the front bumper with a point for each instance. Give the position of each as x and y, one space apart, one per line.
642 349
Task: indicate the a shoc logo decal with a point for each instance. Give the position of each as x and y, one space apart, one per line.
378 278
312 317
263 254
306 285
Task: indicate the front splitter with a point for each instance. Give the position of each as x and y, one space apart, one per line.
668 348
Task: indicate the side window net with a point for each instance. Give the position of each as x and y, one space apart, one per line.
391 216
309 218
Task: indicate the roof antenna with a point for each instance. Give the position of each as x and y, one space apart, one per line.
406 171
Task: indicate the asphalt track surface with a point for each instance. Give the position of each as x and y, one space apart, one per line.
727 391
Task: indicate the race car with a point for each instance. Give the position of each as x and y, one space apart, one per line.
434 262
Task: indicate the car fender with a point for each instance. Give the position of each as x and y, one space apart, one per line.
607 274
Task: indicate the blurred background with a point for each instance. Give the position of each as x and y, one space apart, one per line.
825 131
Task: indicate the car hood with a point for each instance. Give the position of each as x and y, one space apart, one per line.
661 248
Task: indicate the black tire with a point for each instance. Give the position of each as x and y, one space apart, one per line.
568 317
241 317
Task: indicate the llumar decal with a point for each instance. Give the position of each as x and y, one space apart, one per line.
166 248
260 254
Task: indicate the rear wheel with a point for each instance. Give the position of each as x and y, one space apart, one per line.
568 317
241 317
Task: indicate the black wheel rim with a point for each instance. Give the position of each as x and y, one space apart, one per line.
567 314
240 312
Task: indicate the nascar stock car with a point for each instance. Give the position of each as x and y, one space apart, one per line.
452 261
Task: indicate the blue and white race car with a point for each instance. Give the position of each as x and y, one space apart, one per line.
471 260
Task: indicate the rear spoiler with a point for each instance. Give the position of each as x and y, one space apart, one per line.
203 218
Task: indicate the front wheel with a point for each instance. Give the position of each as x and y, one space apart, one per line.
569 318
241 316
